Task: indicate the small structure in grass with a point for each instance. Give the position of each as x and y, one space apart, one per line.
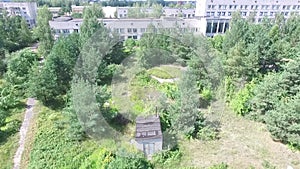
148 135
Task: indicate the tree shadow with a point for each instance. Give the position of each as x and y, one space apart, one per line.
119 122
11 128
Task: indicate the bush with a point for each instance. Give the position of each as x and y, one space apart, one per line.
167 158
240 102
122 162
207 133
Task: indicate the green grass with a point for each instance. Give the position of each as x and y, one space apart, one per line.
53 149
166 72
10 138
157 72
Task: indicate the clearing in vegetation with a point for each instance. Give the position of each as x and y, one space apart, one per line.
243 143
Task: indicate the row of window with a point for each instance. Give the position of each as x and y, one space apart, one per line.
215 27
143 30
64 31
272 13
254 7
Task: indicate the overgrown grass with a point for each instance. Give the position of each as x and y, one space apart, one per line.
53 149
9 138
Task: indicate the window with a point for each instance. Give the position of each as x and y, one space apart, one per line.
223 14
129 30
242 7
208 27
66 31
214 28
220 29
246 6
295 6
286 14
134 30
244 13
213 6
274 6
212 14
284 7
271 13
267 6
135 37
207 13
288 7
219 13
261 14
122 30
121 15
252 6
143 30
265 13
229 14
230 6
23 8
209 6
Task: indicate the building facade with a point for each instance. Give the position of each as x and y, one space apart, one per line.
216 14
127 28
27 10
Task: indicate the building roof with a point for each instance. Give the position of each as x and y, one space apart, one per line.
148 127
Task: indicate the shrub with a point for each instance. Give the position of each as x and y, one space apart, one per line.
167 158
240 102
123 162
207 133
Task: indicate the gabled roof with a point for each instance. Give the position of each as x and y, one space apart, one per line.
148 127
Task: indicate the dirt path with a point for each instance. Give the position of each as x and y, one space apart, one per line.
23 131
243 143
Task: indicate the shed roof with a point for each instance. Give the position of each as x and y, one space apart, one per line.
148 127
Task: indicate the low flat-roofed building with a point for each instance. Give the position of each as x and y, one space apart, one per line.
129 28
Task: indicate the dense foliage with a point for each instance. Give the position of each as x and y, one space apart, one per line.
262 68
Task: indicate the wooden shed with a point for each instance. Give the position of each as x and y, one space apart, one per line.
148 136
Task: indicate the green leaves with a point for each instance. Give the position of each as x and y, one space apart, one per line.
284 121
43 31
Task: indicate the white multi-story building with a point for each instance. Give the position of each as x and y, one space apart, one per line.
211 17
128 28
27 10
216 14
